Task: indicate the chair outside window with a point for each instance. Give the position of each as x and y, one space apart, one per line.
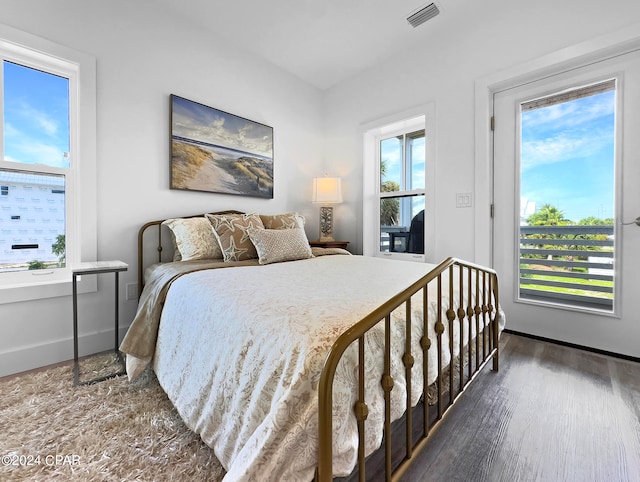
411 241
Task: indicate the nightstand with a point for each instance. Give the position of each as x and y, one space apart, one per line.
98 267
329 244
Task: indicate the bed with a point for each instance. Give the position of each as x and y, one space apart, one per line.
296 363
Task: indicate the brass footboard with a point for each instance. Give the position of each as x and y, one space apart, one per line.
467 295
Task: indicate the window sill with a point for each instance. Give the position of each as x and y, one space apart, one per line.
45 289
420 258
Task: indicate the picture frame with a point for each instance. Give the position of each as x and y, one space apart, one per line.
218 152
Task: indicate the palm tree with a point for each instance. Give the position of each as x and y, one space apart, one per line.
593 221
389 207
59 249
548 215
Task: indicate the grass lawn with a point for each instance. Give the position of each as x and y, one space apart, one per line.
574 291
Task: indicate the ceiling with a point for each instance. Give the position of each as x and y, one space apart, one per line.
320 41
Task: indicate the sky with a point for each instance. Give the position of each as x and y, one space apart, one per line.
391 153
567 150
206 124
36 116
567 157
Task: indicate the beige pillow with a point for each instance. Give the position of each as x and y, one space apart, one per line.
283 221
231 232
193 239
276 245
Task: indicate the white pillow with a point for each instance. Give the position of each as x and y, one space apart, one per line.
193 239
276 245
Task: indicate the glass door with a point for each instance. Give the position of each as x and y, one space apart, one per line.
565 180
567 203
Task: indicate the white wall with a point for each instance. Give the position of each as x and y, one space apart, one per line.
143 55
490 37
493 40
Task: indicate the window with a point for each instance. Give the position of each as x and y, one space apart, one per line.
43 97
35 136
567 167
398 170
401 162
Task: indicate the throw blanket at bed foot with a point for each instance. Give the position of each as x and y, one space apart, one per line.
240 351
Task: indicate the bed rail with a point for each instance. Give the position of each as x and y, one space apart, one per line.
473 289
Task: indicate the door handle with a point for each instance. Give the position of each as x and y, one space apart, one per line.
636 222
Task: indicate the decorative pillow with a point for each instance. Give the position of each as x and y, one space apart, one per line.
193 239
283 221
275 245
231 232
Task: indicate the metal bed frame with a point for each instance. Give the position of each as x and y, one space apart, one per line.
481 287
479 283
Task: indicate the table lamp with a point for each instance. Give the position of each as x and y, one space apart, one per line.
326 191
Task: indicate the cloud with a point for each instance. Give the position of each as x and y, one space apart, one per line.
571 114
38 153
392 157
550 150
28 148
35 119
564 146
47 125
577 129
33 136
10 131
578 137
205 124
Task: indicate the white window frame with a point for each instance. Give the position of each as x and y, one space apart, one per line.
80 178
409 128
421 117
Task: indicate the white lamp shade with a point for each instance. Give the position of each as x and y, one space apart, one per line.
327 190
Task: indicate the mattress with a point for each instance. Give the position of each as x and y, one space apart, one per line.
239 352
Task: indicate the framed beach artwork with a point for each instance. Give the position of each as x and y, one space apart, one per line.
215 151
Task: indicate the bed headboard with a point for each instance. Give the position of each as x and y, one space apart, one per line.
155 244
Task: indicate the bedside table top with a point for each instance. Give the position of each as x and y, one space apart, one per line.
329 244
99 266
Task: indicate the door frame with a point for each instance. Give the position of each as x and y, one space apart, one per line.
599 48
589 74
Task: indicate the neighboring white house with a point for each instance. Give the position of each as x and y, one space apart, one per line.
31 217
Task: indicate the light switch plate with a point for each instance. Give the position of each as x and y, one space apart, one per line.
464 200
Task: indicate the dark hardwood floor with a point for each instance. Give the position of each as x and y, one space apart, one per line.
551 413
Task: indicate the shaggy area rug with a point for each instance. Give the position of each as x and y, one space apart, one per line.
109 431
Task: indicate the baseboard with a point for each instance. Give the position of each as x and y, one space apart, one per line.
572 345
56 351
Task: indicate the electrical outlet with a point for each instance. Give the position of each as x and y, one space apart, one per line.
132 291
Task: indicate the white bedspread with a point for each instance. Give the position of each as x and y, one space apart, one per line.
239 353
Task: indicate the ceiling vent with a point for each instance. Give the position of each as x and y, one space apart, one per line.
423 14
